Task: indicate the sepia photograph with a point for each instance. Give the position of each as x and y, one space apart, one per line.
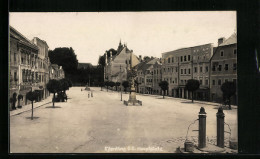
123 82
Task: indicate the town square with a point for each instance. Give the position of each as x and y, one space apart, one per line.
153 84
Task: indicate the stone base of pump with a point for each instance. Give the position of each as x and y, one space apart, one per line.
133 103
208 149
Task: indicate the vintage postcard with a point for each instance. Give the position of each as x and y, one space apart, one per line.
123 82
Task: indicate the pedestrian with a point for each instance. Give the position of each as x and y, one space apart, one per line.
91 94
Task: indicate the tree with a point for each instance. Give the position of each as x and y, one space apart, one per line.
192 85
111 84
20 97
117 84
102 84
125 85
53 86
164 86
66 58
32 96
107 84
64 85
228 89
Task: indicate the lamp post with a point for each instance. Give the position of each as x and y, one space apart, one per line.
121 83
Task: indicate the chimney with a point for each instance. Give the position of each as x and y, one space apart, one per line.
221 40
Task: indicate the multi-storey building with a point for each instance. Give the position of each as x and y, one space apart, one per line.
157 77
145 75
116 66
56 72
25 56
44 66
223 67
180 65
176 70
200 69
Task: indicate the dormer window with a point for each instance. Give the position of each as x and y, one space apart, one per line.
222 53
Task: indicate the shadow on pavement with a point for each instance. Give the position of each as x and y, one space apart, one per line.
188 102
225 108
35 117
53 107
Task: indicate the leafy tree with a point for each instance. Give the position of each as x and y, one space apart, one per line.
32 96
106 84
66 58
64 85
164 86
101 84
117 84
192 85
20 97
228 89
53 86
125 85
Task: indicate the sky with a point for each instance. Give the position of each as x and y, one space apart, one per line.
90 34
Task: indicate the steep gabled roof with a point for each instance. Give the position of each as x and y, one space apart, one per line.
22 39
231 40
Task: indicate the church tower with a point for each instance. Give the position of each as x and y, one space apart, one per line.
120 47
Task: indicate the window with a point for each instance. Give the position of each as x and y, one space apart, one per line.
200 69
188 57
181 58
15 76
226 67
235 66
175 80
213 82
172 59
169 60
171 80
235 51
22 60
221 53
14 56
185 71
219 82
168 69
213 68
226 80
200 81
207 69
176 69
195 69
235 81
184 58
125 61
206 82
219 67
129 62
181 71
181 81
189 70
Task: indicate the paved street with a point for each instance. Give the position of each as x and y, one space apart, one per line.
92 125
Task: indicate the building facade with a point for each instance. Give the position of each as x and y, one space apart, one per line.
180 65
44 66
116 66
56 72
24 65
223 67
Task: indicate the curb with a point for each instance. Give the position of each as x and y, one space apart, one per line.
18 113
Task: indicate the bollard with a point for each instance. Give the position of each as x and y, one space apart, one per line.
88 95
91 94
220 127
202 128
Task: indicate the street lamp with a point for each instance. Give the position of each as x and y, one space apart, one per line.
121 83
